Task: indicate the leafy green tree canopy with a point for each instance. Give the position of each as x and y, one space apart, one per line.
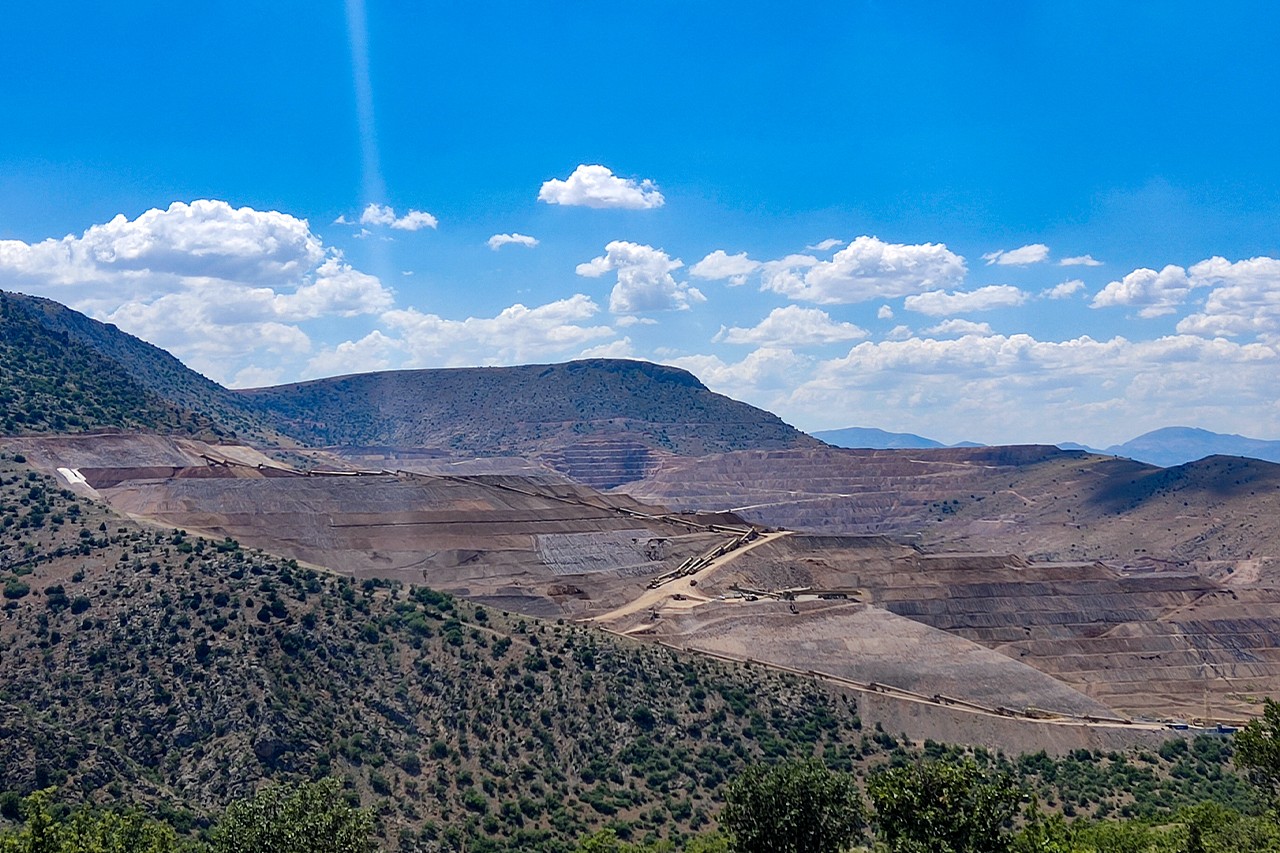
944 807
794 807
1257 751
311 817
85 832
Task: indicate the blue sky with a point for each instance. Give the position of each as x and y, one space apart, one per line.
896 193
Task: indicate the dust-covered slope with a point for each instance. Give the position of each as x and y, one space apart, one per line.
61 371
1041 501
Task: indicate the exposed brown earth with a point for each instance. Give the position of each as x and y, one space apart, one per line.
1157 645
1075 639
535 544
1217 515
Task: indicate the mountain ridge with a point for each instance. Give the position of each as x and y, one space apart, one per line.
874 439
606 421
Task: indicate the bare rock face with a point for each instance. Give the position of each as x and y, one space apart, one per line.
603 463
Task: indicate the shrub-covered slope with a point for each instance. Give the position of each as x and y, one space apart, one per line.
63 372
525 409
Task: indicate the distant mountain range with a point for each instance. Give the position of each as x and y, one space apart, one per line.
1165 447
874 439
1172 446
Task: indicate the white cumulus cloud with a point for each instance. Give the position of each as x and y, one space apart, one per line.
497 241
720 265
792 326
1022 256
597 186
1064 290
621 348
644 280
958 328
1244 300
1154 293
939 303
381 214
868 268
763 374
1080 261
222 288
1015 388
517 334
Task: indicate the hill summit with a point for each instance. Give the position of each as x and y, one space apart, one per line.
602 421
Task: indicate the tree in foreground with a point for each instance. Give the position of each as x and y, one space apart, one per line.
794 807
1256 750
944 807
311 817
86 831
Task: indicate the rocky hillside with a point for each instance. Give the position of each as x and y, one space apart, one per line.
603 421
63 372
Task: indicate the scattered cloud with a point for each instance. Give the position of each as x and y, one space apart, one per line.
626 321
885 313
958 328
1244 300
1024 255
719 266
644 280
1154 293
761 374
939 303
375 351
497 241
597 186
1010 388
792 326
970 384
868 268
621 348
381 214
825 245
517 334
1065 290
1080 261
222 288
899 333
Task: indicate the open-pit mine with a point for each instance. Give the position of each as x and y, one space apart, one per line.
857 569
